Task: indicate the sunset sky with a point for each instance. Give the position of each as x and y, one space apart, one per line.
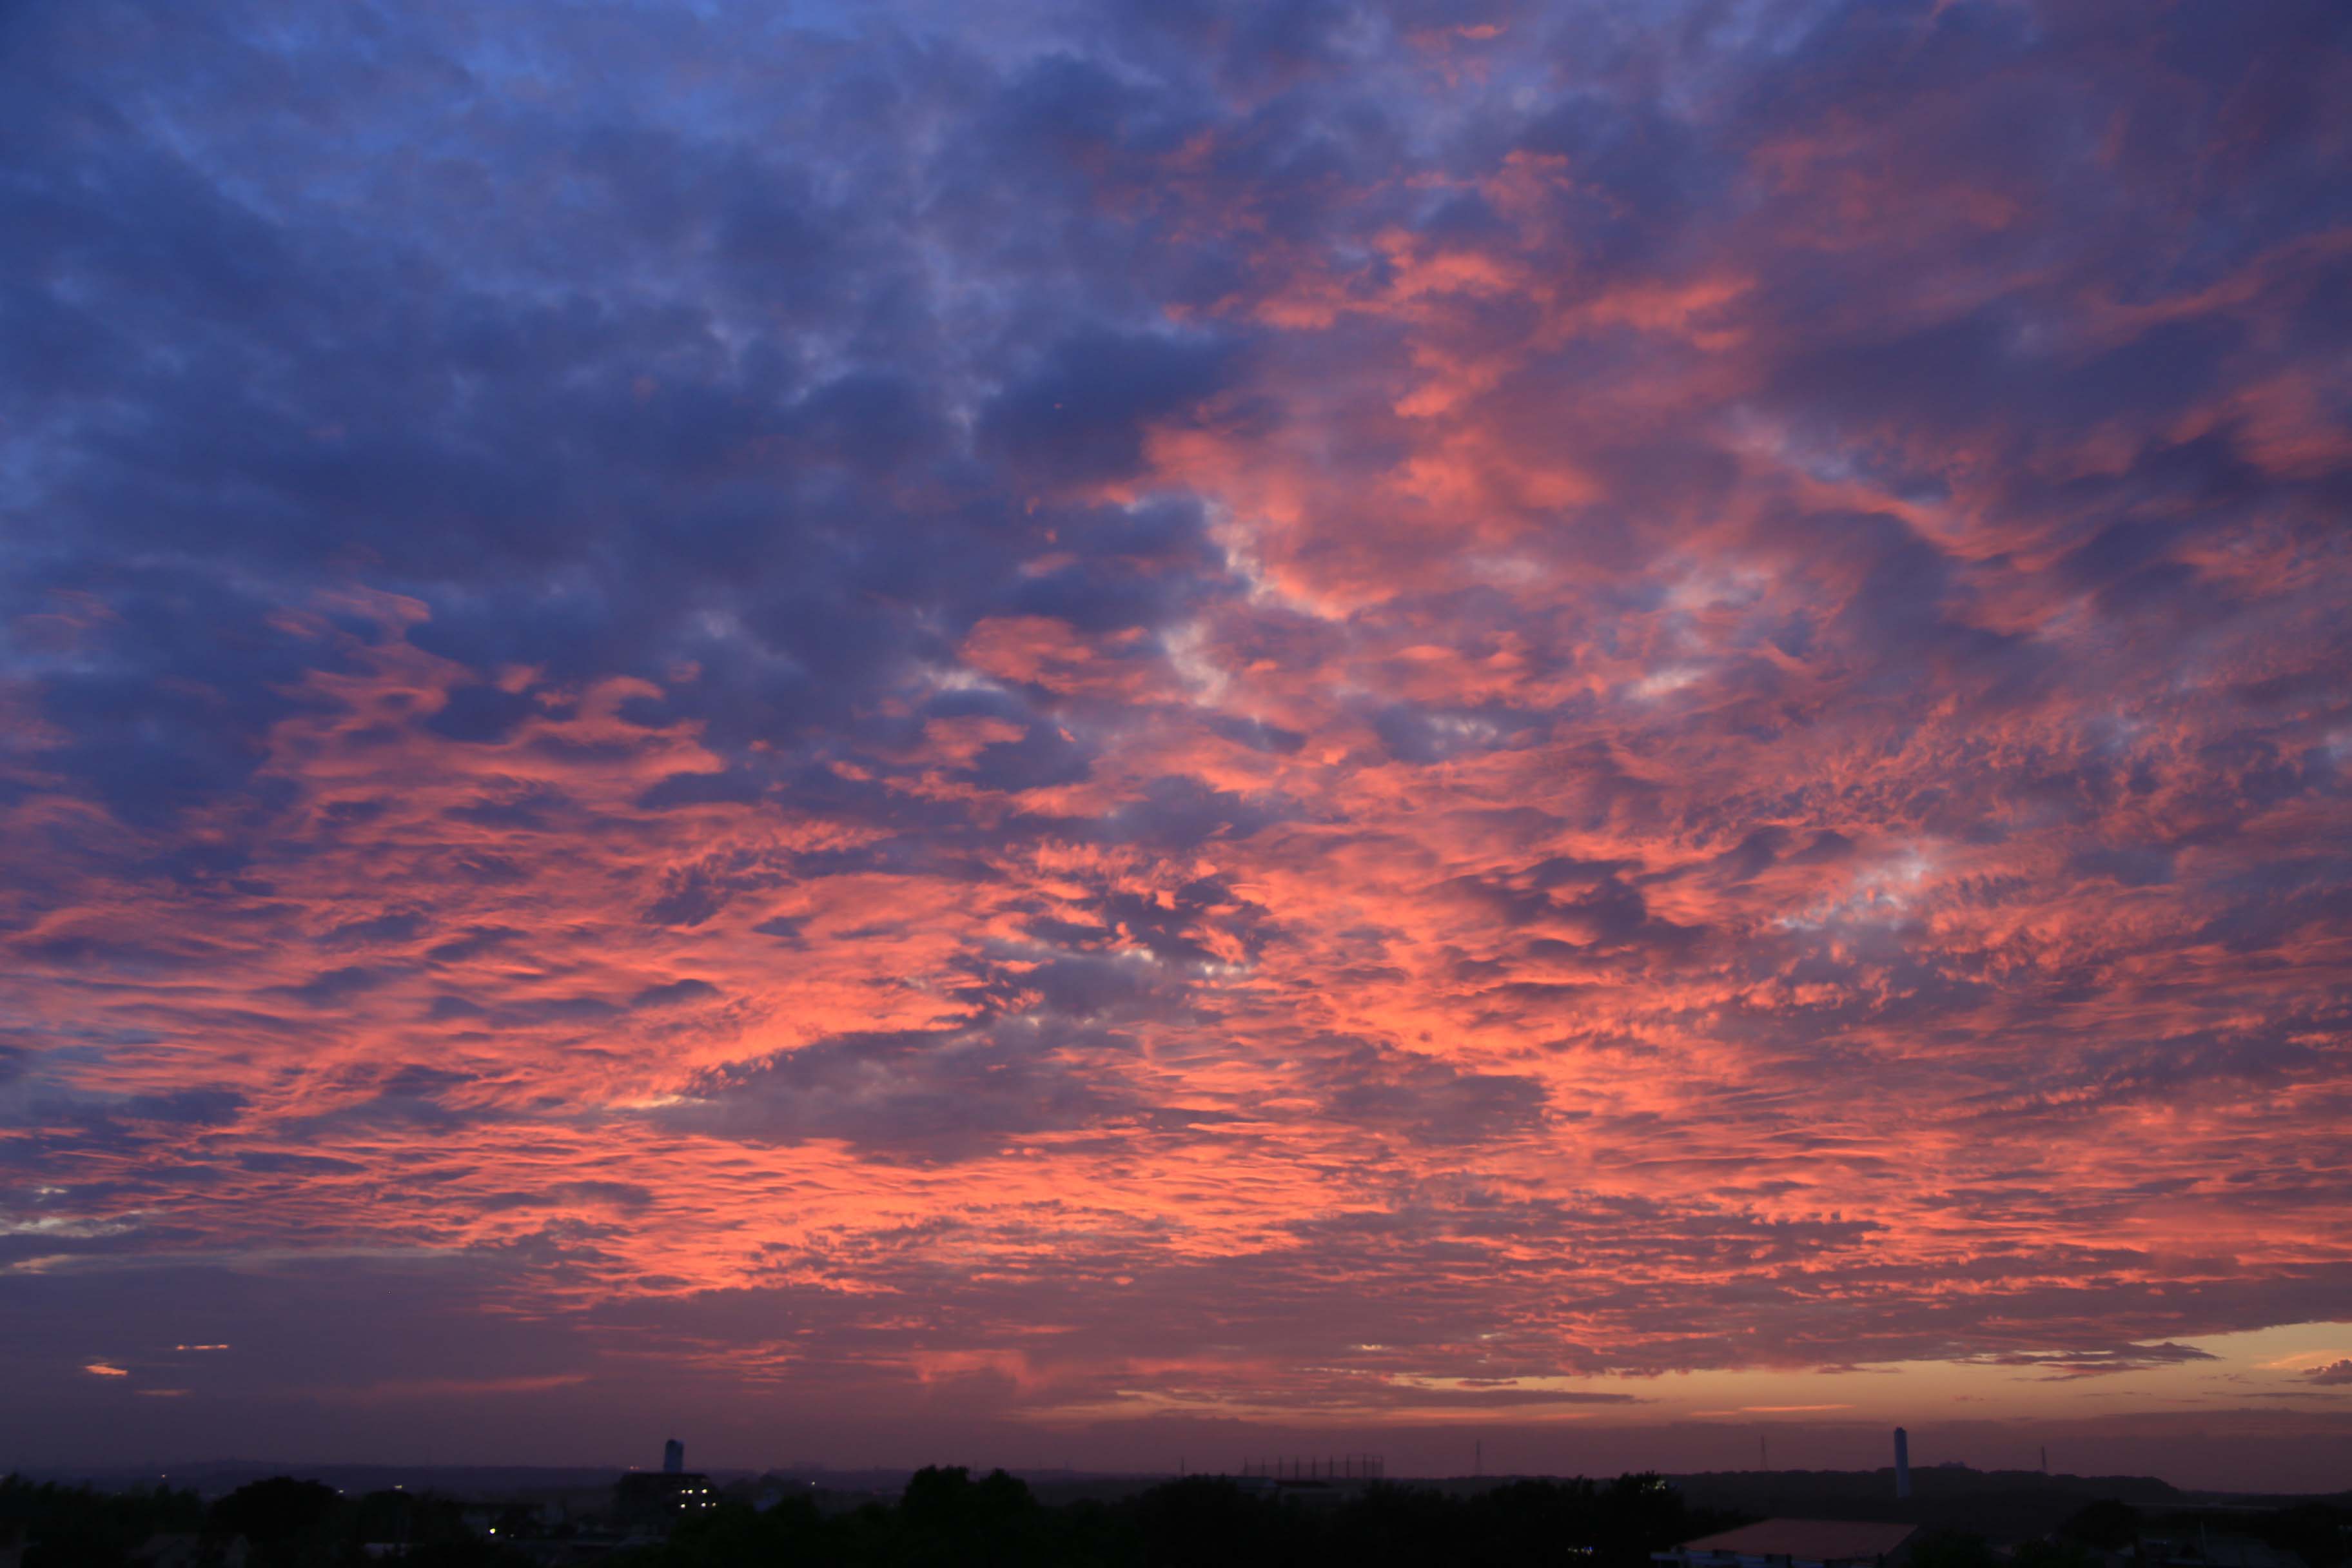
1099 733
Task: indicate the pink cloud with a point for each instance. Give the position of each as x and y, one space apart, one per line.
1297 731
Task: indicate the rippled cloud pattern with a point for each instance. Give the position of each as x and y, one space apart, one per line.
1309 712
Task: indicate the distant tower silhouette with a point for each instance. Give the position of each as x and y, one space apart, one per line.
1901 1463
673 1457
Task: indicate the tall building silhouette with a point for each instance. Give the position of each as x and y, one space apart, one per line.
673 1457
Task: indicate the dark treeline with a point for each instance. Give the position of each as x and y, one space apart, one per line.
280 1523
947 1517
2317 1533
75 1524
2114 1535
944 1517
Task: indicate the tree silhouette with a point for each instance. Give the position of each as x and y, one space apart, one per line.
286 1521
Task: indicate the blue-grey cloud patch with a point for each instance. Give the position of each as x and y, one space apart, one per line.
2103 1360
285 1163
473 942
920 1097
335 987
628 1197
1078 413
1427 1098
368 930
675 994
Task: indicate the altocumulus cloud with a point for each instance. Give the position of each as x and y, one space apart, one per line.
1229 708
